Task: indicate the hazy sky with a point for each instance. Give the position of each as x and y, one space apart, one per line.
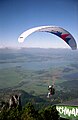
17 16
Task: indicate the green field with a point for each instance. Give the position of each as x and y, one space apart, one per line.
33 70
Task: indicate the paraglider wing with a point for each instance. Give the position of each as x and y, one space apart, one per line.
60 32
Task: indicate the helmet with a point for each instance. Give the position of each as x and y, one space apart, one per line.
50 86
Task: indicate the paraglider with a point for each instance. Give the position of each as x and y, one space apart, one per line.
58 31
51 91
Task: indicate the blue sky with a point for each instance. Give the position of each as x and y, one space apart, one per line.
17 16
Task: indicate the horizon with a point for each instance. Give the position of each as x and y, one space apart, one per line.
35 48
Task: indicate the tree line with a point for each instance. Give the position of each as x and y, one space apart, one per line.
28 112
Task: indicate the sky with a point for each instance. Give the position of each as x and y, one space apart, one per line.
16 16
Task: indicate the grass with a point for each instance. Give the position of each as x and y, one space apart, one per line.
8 78
30 80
